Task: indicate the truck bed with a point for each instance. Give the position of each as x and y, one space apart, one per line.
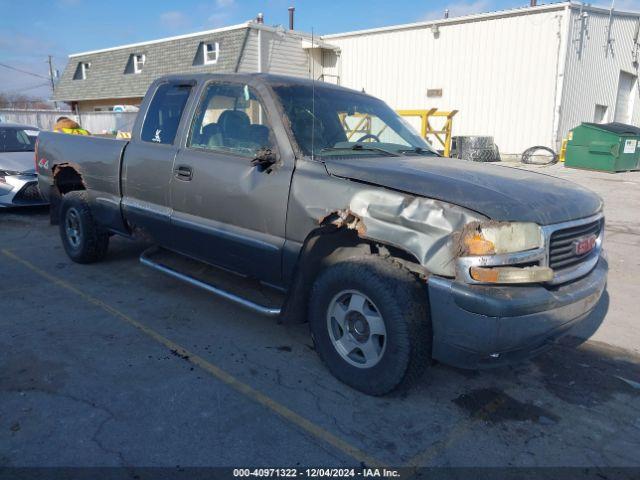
98 160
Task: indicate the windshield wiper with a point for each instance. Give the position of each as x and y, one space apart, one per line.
418 150
359 146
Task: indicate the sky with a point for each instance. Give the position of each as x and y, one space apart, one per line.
30 30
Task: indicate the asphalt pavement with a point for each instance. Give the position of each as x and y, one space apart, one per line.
114 364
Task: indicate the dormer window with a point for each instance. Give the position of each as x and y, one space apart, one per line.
135 63
82 70
138 62
207 53
210 52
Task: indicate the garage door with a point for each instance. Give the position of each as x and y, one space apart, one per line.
626 95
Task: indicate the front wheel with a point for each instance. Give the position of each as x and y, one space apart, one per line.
83 239
370 324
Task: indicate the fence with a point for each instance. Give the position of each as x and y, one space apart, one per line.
95 122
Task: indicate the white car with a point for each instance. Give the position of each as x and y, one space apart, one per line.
18 177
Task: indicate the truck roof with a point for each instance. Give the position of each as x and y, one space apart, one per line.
266 78
18 125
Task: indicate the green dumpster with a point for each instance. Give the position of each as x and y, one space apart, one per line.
610 147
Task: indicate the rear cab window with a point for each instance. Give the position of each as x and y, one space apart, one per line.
164 113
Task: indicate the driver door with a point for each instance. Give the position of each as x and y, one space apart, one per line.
226 211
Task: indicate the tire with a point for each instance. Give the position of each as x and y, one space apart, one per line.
83 240
391 294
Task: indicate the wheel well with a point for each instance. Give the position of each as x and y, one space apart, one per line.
324 247
67 179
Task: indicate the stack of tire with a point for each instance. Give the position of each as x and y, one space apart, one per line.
475 149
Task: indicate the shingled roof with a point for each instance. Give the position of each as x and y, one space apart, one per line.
110 74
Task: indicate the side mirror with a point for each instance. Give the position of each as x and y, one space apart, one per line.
264 160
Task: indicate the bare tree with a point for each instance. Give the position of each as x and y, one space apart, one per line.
21 101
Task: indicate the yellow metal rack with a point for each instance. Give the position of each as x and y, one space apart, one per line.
443 135
364 125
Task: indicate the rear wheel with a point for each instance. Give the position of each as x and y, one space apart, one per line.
83 239
370 324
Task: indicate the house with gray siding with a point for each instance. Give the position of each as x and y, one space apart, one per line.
101 79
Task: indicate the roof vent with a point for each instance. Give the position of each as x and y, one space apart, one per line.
260 18
292 11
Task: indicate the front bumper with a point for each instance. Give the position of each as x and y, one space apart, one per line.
20 191
476 326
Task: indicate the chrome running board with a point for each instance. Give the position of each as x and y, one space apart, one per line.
269 311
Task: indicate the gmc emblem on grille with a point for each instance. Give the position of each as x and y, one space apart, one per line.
584 245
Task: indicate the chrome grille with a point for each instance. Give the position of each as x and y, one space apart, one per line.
562 252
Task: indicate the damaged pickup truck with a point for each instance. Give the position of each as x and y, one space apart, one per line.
327 207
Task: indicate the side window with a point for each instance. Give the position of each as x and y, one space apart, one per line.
163 116
230 118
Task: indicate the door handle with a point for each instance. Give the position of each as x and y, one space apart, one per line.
183 172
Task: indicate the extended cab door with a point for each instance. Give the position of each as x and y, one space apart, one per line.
226 210
147 167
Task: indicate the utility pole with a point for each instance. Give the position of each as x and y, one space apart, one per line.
55 104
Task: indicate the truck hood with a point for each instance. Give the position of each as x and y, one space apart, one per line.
22 162
500 193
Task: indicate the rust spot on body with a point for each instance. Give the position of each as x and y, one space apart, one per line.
345 219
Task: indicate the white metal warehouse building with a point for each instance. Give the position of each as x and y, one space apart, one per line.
525 76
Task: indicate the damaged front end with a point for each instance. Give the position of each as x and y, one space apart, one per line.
437 237
422 227
446 239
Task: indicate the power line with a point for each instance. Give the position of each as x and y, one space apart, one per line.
23 71
18 90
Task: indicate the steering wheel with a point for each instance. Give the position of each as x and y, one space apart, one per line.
368 135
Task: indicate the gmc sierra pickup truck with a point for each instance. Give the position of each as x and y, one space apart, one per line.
309 201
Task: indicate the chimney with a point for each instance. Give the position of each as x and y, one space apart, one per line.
534 3
260 18
291 12
446 13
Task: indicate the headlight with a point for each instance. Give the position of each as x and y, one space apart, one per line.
500 238
502 253
7 173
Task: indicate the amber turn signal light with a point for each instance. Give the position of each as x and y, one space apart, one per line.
533 274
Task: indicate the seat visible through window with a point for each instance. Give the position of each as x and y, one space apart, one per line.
231 118
235 127
211 136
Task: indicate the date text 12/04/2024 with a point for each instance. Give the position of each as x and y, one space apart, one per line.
317 472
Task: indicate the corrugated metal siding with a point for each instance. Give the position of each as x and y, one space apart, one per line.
500 73
592 78
331 66
316 59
